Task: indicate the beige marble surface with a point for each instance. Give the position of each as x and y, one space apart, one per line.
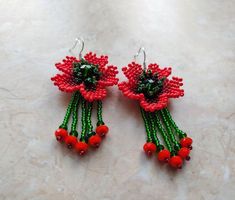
196 37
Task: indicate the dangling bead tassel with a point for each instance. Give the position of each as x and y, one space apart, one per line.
62 132
152 126
169 132
101 128
163 154
184 140
175 160
82 146
71 140
149 147
165 138
182 151
94 139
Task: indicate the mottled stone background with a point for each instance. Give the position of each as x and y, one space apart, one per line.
196 38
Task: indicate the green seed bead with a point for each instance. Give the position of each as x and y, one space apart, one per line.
75 116
152 124
83 120
160 147
74 133
143 113
180 133
99 113
169 131
163 133
88 119
64 124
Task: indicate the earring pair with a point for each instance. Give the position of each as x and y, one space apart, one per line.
87 79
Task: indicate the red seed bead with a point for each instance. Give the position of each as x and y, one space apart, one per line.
176 162
61 134
164 155
81 147
102 130
186 142
94 141
149 148
71 141
184 152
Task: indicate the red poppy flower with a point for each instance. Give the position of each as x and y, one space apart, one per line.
152 87
90 76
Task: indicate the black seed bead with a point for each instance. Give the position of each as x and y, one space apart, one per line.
74 133
160 147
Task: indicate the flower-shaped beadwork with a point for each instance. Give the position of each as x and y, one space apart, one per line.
152 88
90 76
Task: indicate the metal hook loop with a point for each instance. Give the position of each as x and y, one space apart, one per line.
80 41
141 49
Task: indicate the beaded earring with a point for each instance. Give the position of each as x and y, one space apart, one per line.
152 88
86 78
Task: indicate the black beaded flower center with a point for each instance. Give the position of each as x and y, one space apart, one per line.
87 73
149 84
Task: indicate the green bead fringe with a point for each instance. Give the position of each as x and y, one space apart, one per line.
64 124
147 127
75 118
160 123
99 114
86 112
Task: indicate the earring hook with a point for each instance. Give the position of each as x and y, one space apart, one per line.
80 41
141 49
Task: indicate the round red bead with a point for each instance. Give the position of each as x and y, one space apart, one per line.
102 130
184 152
94 141
164 155
149 148
176 161
81 147
61 134
71 141
186 142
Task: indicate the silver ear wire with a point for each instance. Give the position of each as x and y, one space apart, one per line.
141 49
80 41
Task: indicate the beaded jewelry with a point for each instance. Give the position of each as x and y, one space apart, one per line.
87 79
152 88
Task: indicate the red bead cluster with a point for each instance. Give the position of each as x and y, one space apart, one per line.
80 146
65 81
164 155
171 88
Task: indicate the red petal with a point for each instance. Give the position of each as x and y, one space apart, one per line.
165 72
172 88
65 83
108 76
93 59
160 103
132 72
129 92
66 64
92 95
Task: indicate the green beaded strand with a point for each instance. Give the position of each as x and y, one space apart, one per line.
99 114
88 115
143 113
64 124
163 133
152 124
83 121
180 133
75 117
169 131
